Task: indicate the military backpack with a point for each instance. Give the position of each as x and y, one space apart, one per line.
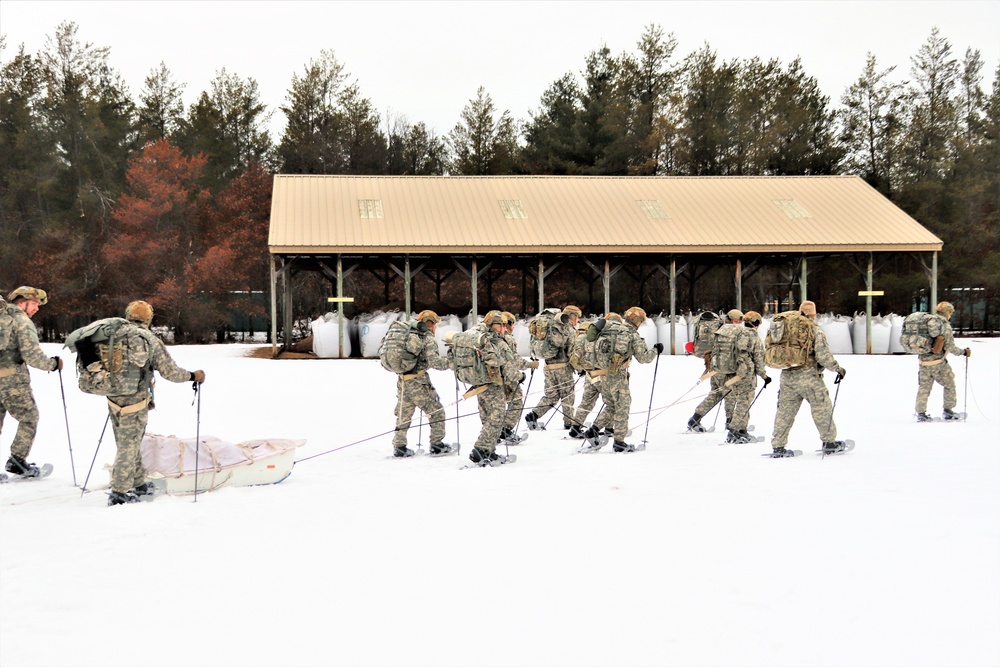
108 362
465 351
919 331
607 347
789 341
726 348
705 326
546 335
401 346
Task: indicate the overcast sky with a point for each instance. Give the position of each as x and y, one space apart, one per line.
425 60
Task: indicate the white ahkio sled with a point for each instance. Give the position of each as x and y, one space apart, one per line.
170 462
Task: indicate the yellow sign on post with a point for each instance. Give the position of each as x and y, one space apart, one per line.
340 299
871 293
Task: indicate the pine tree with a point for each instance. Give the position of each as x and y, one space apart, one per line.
482 144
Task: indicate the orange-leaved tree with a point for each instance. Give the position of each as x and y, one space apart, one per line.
154 233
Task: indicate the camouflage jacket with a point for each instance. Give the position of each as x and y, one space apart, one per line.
23 347
949 346
755 352
159 360
637 345
430 357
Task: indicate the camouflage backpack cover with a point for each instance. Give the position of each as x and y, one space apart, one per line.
705 327
789 340
609 347
464 351
726 348
401 346
919 331
6 325
546 334
108 362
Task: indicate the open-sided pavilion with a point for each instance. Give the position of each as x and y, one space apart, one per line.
445 226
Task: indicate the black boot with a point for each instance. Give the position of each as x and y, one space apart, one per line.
402 452
574 432
694 424
145 489
19 466
118 498
483 457
924 417
833 447
620 446
531 419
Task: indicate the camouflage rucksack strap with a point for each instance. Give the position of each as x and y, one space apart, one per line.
553 367
410 376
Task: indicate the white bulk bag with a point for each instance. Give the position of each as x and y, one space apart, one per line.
326 336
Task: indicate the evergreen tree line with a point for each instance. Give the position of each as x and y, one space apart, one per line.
105 197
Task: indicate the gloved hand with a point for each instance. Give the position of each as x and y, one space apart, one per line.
841 372
581 373
58 364
533 364
767 381
658 347
968 353
198 376
521 381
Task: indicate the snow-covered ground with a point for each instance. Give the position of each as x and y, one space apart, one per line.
686 554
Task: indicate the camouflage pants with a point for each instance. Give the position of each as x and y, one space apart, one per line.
797 385
515 405
944 376
560 387
413 394
492 406
718 393
16 398
128 471
738 402
587 402
617 403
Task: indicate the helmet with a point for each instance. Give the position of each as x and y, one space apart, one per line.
428 317
635 316
508 317
29 293
752 317
613 317
807 308
945 308
734 315
139 311
573 310
493 317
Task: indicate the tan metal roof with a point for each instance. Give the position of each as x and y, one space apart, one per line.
586 214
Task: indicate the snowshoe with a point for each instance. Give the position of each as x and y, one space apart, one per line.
782 453
402 452
694 425
952 416
443 449
924 417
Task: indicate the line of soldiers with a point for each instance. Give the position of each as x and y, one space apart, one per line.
501 401
500 404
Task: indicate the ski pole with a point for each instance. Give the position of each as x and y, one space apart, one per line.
458 423
649 410
965 391
69 441
197 438
83 489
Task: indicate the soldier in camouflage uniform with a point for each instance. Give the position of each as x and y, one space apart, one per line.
502 368
129 414
806 382
560 386
934 367
515 395
741 392
590 391
613 385
22 350
720 391
414 390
